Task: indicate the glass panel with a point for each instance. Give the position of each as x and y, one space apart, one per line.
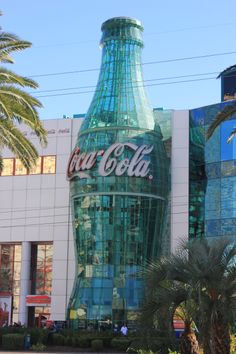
17 253
212 199
228 168
10 269
16 287
17 270
38 167
41 264
111 247
7 167
19 168
16 302
228 151
49 164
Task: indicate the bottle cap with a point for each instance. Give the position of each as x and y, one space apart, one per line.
122 28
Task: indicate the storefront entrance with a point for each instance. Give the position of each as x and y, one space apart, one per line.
38 316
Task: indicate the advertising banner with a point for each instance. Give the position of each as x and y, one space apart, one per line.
38 300
5 310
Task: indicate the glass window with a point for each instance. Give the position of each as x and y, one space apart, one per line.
213 228
10 268
41 269
228 150
37 169
228 168
49 164
7 167
19 168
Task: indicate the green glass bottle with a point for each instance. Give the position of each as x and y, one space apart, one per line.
118 176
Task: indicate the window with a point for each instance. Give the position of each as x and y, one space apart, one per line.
14 167
41 269
10 271
19 168
38 168
7 167
49 164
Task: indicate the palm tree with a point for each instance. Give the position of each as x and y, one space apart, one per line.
17 106
228 112
204 273
166 301
10 43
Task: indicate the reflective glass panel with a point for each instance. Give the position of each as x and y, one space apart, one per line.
7 167
19 168
37 169
49 164
215 189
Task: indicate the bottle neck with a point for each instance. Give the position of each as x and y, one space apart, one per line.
120 99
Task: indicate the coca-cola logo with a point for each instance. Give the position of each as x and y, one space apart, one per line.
111 162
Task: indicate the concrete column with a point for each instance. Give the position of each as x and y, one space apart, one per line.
24 281
179 179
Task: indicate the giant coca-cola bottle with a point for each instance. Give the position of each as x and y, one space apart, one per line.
118 182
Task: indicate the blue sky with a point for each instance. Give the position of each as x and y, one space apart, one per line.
66 33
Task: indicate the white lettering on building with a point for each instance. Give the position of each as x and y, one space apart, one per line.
136 165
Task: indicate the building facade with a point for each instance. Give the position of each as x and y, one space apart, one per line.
79 260
37 259
36 247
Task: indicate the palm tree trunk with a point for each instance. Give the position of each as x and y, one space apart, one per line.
206 345
220 338
188 341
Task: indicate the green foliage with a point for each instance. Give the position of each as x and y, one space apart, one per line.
13 341
58 339
17 105
97 345
68 341
106 340
120 343
142 351
199 278
39 347
37 335
149 351
80 342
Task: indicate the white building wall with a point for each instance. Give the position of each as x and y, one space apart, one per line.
179 178
36 208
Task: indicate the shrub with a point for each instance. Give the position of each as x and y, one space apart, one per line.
96 345
106 340
39 347
13 341
58 339
37 335
68 341
80 342
120 343
3 331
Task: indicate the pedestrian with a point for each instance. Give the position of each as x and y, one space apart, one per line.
124 330
116 329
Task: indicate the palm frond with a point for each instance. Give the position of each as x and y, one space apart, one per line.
14 139
1 163
17 106
9 77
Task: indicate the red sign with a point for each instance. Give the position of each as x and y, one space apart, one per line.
178 324
38 300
